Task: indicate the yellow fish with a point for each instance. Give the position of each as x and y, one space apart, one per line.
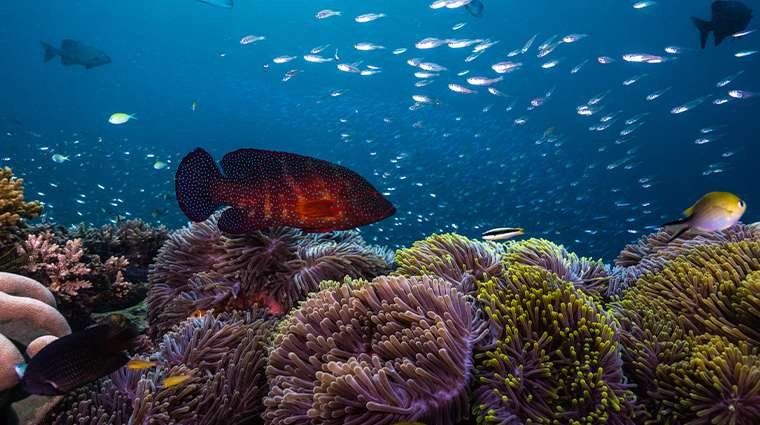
715 211
502 233
174 380
140 364
193 106
120 118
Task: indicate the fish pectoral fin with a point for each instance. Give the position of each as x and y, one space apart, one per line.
320 208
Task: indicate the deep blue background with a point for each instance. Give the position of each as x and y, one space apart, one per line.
451 175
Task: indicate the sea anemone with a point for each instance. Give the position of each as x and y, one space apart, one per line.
553 355
379 352
223 358
717 384
652 252
275 267
591 277
454 258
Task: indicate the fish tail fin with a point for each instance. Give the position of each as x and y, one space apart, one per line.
680 226
704 28
50 51
195 184
133 116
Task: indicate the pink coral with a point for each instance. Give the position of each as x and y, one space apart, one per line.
61 272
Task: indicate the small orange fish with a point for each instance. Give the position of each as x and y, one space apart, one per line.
140 364
197 314
174 380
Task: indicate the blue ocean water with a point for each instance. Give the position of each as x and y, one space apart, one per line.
463 167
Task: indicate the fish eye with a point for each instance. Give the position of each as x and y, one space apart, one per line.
741 203
377 195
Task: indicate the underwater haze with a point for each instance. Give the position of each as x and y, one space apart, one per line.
453 162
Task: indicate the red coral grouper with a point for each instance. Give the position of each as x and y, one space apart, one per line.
268 188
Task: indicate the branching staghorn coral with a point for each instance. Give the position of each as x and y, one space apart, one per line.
379 352
553 355
225 359
276 267
78 287
12 205
454 258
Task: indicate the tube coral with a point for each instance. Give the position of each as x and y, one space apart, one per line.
454 258
12 205
379 352
553 355
275 267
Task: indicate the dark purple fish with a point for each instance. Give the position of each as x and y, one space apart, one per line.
269 188
76 359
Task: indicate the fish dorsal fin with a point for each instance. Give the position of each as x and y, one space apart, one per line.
318 208
689 211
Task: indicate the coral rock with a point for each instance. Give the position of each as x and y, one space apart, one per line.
12 205
9 356
24 319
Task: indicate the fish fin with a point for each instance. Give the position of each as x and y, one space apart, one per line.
88 66
50 51
704 28
238 221
680 226
65 61
321 208
195 185
719 38
689 211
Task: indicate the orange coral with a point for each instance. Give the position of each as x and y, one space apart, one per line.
12 205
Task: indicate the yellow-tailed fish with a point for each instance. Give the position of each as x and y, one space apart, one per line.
120 118
715 211
140 364
193 106
502 233
174 380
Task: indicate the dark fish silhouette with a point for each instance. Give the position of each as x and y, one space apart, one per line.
76 359
76 53
728 17
475 7
268 188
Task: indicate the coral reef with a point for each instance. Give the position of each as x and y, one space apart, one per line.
76 286
377 352
28 322
275 267
454 258
12 205
223 358
553 355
